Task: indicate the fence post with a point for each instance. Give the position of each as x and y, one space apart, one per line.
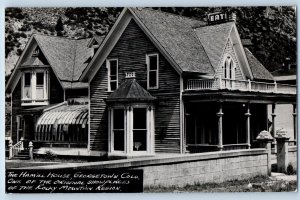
10 145
275 86
282 150
220 82
265 139
22 143
30 150
249 85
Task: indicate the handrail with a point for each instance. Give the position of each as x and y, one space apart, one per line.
16 148
242 85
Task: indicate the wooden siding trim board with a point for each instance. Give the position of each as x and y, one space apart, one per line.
235 31
167 120
13 79
114 35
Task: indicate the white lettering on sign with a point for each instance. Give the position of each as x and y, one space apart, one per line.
217 17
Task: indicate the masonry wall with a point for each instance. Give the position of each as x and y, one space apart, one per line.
131 50
293 156
180 170
215 170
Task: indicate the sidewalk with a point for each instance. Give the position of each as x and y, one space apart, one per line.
283 177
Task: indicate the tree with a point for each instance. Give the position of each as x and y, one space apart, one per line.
59 25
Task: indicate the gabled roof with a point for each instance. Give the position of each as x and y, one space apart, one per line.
258 70
176 35
130 90
66 56
214 39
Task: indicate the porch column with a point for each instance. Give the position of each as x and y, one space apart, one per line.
273 119
220 128
248 114
295 121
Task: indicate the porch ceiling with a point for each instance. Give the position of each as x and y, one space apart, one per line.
238 96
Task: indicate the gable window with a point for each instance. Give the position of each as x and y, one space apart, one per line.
35 88
229 69
27 85
152 62
112 66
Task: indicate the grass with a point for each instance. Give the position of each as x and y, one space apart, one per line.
258 184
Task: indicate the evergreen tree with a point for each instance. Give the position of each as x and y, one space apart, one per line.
59 25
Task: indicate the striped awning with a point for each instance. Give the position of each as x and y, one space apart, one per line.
65 115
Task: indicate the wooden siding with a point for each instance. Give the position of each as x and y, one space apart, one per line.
16 110
56 91
229 50
56 96
131 50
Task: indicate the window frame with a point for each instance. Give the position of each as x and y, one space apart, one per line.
112 133
108 66
148 70
33 100
229 68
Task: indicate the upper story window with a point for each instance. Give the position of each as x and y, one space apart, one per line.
229 69
35 88
112 66
152 62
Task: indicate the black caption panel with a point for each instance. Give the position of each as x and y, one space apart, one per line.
74 181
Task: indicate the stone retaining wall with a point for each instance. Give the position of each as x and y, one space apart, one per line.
177 169
293 156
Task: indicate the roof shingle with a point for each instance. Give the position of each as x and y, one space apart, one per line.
176 35
214 39
130 90
66 56
258 70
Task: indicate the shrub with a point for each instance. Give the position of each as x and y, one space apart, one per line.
50 155
290 169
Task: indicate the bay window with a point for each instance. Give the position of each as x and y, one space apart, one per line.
35 87
131 130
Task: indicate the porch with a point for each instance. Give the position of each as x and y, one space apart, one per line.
228 120
240 85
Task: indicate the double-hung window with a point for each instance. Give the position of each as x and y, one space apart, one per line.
35 87
152 62
112 66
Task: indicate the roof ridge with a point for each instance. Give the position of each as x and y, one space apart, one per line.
178 15
60 37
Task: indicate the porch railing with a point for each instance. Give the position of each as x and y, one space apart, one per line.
220 83
16 148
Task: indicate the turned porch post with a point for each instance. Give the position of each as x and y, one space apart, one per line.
220 128
273 119
248 114
295 121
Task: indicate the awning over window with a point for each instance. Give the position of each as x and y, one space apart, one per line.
66 123
65 115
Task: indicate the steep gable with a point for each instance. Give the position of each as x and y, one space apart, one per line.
66 56
214 39
229 51
171 34
175 34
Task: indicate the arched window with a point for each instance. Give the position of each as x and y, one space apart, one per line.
229 69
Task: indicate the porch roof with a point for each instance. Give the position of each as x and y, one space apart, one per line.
130 90
238 96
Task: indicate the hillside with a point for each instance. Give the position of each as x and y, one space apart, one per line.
21 23
272 30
